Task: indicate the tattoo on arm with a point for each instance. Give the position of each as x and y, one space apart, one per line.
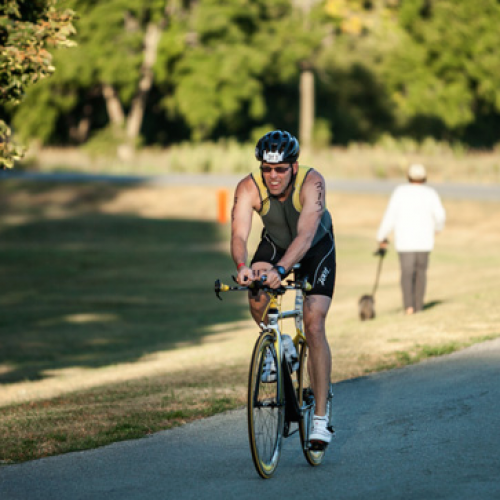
234 208
320 189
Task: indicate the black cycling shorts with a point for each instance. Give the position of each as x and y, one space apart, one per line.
318 264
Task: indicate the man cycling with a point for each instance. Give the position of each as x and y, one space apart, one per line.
290 200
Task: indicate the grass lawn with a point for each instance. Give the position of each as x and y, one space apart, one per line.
110 329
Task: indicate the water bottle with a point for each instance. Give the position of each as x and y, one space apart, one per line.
290 352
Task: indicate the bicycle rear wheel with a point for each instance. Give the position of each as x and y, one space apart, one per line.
266 409
306 396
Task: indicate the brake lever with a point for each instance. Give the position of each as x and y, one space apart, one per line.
217 289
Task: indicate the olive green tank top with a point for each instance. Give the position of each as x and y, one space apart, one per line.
280 218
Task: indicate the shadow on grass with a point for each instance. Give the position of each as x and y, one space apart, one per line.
426 307
434 303
94 290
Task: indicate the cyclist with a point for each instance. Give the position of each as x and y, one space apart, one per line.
290 200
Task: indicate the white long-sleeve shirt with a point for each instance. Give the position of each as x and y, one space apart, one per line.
415 213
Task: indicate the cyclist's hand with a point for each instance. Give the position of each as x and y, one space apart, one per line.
273 278
245 276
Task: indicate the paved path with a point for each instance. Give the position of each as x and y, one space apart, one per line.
446 190
425 432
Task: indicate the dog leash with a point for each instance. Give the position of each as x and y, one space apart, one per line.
378 274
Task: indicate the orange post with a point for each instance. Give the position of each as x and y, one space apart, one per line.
222 196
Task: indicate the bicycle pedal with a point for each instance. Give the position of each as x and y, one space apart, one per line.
317 445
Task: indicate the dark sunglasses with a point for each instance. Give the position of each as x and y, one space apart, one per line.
278 170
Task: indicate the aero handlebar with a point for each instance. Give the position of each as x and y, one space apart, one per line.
256 286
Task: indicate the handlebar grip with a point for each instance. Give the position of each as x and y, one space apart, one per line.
220 287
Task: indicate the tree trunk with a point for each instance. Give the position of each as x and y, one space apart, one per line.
80 132
136 115
306 85
306 107
113 105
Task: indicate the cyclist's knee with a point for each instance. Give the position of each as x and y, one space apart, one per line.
315 333
258 304
315 322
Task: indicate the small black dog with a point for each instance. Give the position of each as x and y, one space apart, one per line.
366 307
366 304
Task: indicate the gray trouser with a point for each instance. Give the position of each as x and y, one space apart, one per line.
413 278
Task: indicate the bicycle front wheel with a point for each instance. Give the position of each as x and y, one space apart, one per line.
266 410
306 397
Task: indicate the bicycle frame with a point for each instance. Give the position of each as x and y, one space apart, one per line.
274 315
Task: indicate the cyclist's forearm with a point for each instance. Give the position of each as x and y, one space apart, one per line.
239 251
296 251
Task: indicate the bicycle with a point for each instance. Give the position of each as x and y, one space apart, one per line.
275 402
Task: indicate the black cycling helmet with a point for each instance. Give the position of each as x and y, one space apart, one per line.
277 147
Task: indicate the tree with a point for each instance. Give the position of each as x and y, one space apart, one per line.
446 68
347 18
354 103
112 65
239 48
203 63
27 29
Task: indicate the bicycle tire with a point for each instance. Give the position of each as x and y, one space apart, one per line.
305 393
266 410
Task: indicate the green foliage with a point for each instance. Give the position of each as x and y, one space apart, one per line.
9 151
110 51
322 135
50 101
354 100
104 142
27 31
258 132
214 61
445 68
110 37
226 68
240 45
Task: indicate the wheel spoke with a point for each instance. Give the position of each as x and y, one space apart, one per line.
265 411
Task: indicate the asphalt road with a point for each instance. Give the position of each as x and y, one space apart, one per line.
426 432
490 192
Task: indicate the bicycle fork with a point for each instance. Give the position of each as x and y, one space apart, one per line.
329 408
307 416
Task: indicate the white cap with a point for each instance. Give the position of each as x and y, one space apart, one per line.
417 172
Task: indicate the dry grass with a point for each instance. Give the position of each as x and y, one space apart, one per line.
462 288
388 160
80 407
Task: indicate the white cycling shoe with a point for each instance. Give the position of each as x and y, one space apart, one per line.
319 431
